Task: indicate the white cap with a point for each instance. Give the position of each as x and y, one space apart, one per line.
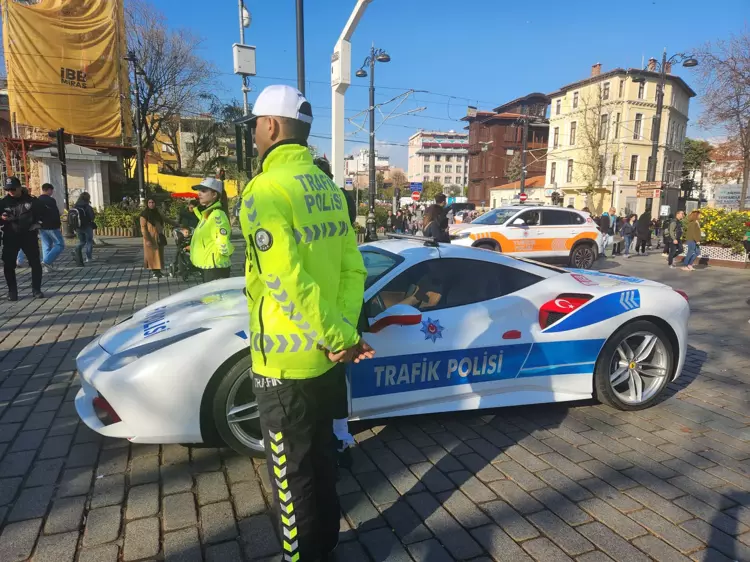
283 101
210 183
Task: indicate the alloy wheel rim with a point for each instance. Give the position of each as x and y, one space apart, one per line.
243 416
584 258
639 368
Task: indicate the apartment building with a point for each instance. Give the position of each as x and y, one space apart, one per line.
439 156
600 139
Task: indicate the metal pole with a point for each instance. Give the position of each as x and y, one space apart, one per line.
657 119
300 47
139 132
245 89
371 231
524 146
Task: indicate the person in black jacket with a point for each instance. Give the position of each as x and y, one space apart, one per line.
643 231
188 218
20 218
432 226
85 229
52 238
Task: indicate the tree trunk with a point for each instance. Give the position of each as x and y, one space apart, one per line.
745 180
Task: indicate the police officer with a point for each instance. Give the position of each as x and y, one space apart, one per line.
305 287
211 248
20 216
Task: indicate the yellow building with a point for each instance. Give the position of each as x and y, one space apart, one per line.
600 139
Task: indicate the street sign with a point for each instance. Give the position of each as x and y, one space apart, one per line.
415 195
523 197
416 186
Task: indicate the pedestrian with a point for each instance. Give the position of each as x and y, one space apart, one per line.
51 237
604 228
446 215
400 223
154 239
693 238
84 225
300 287
666 241
431 227
188 218
675 237
586 210
211 247
389 221
628 232
21 218
614 232
643 231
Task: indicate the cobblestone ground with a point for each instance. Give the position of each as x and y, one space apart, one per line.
554 482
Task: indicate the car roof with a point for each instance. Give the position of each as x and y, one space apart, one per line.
537 208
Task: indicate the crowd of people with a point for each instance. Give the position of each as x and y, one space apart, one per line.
635 233
431 221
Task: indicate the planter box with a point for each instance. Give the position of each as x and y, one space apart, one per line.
118 232
723 257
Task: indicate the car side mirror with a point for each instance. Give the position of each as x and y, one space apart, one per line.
518 222
397 315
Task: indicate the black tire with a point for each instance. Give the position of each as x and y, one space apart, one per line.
486 246
583 256
231 380
603 389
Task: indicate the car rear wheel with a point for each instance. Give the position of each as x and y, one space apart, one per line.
486 246
235 410
634 366
583 256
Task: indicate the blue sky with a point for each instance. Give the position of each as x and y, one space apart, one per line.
481 52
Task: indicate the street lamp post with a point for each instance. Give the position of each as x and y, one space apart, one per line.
301 46
376 55
245 20
688 61
138 126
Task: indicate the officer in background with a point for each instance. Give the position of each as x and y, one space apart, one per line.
305 288
20 216
211 247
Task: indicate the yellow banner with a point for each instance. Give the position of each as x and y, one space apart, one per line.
65 65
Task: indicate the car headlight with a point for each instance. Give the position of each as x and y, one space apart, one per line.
120 360
460 235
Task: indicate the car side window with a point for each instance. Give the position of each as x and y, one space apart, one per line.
554 217
575 218
446 283
531 218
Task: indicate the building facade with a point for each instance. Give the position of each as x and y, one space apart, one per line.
600 139
496 140
359 163
438 156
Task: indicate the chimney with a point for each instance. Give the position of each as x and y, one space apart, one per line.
651 65
596 69
668 68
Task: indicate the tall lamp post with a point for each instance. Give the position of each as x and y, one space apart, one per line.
131 58
245 20
688 61
376 55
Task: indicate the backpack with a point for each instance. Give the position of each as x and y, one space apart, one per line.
74 219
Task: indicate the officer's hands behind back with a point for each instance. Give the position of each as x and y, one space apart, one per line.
357 353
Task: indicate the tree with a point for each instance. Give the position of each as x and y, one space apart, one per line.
398 179
726 163
515 168
430 189
171 76
725 84
697 155
454 190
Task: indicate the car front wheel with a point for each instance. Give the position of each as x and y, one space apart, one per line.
634 366
235 410
583 256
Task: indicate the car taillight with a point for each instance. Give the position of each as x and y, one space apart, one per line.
558 308
683 293
104 411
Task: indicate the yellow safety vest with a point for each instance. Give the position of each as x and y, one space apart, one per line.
211 247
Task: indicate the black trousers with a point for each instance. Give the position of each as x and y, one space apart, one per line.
296 421
674 250
640 246
339 394
216 273
29 243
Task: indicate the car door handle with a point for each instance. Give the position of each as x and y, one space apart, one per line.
540 231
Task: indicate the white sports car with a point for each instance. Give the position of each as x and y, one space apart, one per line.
454 328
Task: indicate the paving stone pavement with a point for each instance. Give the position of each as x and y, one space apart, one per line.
556 482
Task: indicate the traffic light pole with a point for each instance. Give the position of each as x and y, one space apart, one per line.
63 166
524 147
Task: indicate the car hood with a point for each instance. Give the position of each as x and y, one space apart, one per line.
197 307
592 278
456 228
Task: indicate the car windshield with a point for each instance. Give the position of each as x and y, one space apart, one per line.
495 216
378 264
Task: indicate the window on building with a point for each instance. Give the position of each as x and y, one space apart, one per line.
641 90
637 126
670 133
553 172
448 180
617 126
448 168
558 105
426 167
621 90
670 172
605 91
556 137
437 179
633 167
426 157
448 158
425 178
438 168
603 127
575 100
437 157
569 177
458 169
573 127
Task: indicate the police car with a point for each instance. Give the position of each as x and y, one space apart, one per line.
453 328
537 232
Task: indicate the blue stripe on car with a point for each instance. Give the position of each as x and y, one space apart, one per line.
595 311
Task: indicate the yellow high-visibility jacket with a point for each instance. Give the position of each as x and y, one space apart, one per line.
210 246
305 279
